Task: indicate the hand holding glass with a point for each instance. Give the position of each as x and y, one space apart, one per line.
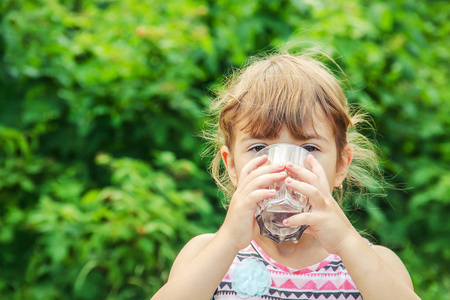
287 202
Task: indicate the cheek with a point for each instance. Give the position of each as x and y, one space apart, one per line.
329 166
331 179
241 161
239 165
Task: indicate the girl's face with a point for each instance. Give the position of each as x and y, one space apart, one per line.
320 143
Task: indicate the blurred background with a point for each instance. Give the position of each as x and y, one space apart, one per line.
102 103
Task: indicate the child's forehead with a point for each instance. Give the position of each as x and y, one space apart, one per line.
283 92
316 126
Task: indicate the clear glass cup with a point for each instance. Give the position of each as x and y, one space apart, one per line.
286 202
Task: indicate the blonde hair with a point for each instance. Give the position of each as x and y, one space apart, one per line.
284 90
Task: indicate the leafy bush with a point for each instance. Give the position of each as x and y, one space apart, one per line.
112 242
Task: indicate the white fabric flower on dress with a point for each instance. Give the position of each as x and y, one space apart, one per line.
251 278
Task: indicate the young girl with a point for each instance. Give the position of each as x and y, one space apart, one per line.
295 100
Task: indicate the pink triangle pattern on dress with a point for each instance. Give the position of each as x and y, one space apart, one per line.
284 268
289 285
347 286
328 279
310 286
328 286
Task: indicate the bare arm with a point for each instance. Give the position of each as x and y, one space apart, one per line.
198 269
204 261
377 271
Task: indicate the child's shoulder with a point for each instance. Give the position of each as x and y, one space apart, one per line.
190 251
196 244
393 261
199 241
386 254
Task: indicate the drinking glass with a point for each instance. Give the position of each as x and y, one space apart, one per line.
286 202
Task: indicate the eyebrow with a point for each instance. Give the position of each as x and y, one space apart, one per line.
308 137
316 137
248 138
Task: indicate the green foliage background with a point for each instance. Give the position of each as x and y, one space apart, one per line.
101 182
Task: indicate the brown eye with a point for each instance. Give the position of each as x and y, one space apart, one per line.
257 148
310 148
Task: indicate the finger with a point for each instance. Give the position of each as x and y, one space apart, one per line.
259 195
303 174
254 164
262 181
310 219
259 171
312 173
314 195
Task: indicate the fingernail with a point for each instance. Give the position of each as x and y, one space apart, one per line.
280 166
273 192
290 164
288 180
285 221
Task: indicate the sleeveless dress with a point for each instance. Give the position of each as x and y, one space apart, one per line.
254 275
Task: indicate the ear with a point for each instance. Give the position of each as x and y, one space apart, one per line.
343 165
228 161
